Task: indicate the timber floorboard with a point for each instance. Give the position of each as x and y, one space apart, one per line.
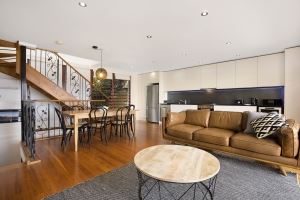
62 169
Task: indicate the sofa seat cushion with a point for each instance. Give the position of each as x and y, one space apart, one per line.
184 131
213 136
267 146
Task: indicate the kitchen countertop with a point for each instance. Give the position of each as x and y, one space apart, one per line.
209 104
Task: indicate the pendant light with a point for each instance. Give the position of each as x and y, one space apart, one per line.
101 73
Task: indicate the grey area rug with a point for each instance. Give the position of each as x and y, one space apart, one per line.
237 179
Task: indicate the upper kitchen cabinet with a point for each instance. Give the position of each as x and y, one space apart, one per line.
246 73
271 70
192 78
226 75
183 79
209 76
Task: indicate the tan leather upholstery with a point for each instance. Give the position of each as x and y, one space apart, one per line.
225 120
289 139
251 143
213 136
235 151
184 131
175 118
197 117
244 120
282 150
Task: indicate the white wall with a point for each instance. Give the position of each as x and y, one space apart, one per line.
10 93
292 83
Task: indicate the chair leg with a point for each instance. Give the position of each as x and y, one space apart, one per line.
131 127
105 133
110 131
116 129
100 132
128 132
70 136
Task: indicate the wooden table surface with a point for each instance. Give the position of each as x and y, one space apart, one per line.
84 114
177 163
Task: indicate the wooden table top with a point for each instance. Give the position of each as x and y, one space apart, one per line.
177 163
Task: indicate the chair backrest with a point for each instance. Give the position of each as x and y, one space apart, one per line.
61 119
98 115
131 107
122 113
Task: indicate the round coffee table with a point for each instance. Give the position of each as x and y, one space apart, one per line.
177 172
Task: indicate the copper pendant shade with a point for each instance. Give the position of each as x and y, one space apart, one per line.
101 74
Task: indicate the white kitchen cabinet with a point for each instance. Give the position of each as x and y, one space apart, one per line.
183 79
235 108
226 75
246 73
271 70
188 79
209 76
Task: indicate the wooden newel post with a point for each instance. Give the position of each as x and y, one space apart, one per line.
64 77
91 81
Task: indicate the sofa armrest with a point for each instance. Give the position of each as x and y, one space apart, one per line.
175 118
290 139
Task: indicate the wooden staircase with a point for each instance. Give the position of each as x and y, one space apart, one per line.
58 80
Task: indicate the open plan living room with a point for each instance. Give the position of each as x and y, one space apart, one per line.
150 100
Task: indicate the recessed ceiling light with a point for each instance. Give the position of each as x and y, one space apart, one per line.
58 42
82 4
149 36
228 43
205 13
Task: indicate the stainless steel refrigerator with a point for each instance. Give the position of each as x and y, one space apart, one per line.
152 104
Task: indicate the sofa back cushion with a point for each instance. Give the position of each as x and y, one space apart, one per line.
197 117
226 120
175 118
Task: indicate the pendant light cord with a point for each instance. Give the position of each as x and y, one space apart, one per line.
101 57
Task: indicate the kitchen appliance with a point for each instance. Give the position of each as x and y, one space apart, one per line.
253 101
152 104
270 109
272 102
206 106
239 101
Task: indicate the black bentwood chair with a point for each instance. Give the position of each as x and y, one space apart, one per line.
98 120
67 129
121 121
131 118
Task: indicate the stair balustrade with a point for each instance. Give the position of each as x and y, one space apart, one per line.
55 68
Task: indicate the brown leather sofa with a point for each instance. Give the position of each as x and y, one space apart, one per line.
223 131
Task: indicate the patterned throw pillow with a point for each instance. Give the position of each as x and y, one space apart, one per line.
267 125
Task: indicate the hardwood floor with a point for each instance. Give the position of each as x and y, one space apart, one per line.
59 170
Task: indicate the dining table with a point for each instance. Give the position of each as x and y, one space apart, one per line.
78 115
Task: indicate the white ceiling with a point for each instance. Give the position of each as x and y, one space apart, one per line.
181 36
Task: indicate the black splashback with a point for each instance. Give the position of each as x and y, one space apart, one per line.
226 96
